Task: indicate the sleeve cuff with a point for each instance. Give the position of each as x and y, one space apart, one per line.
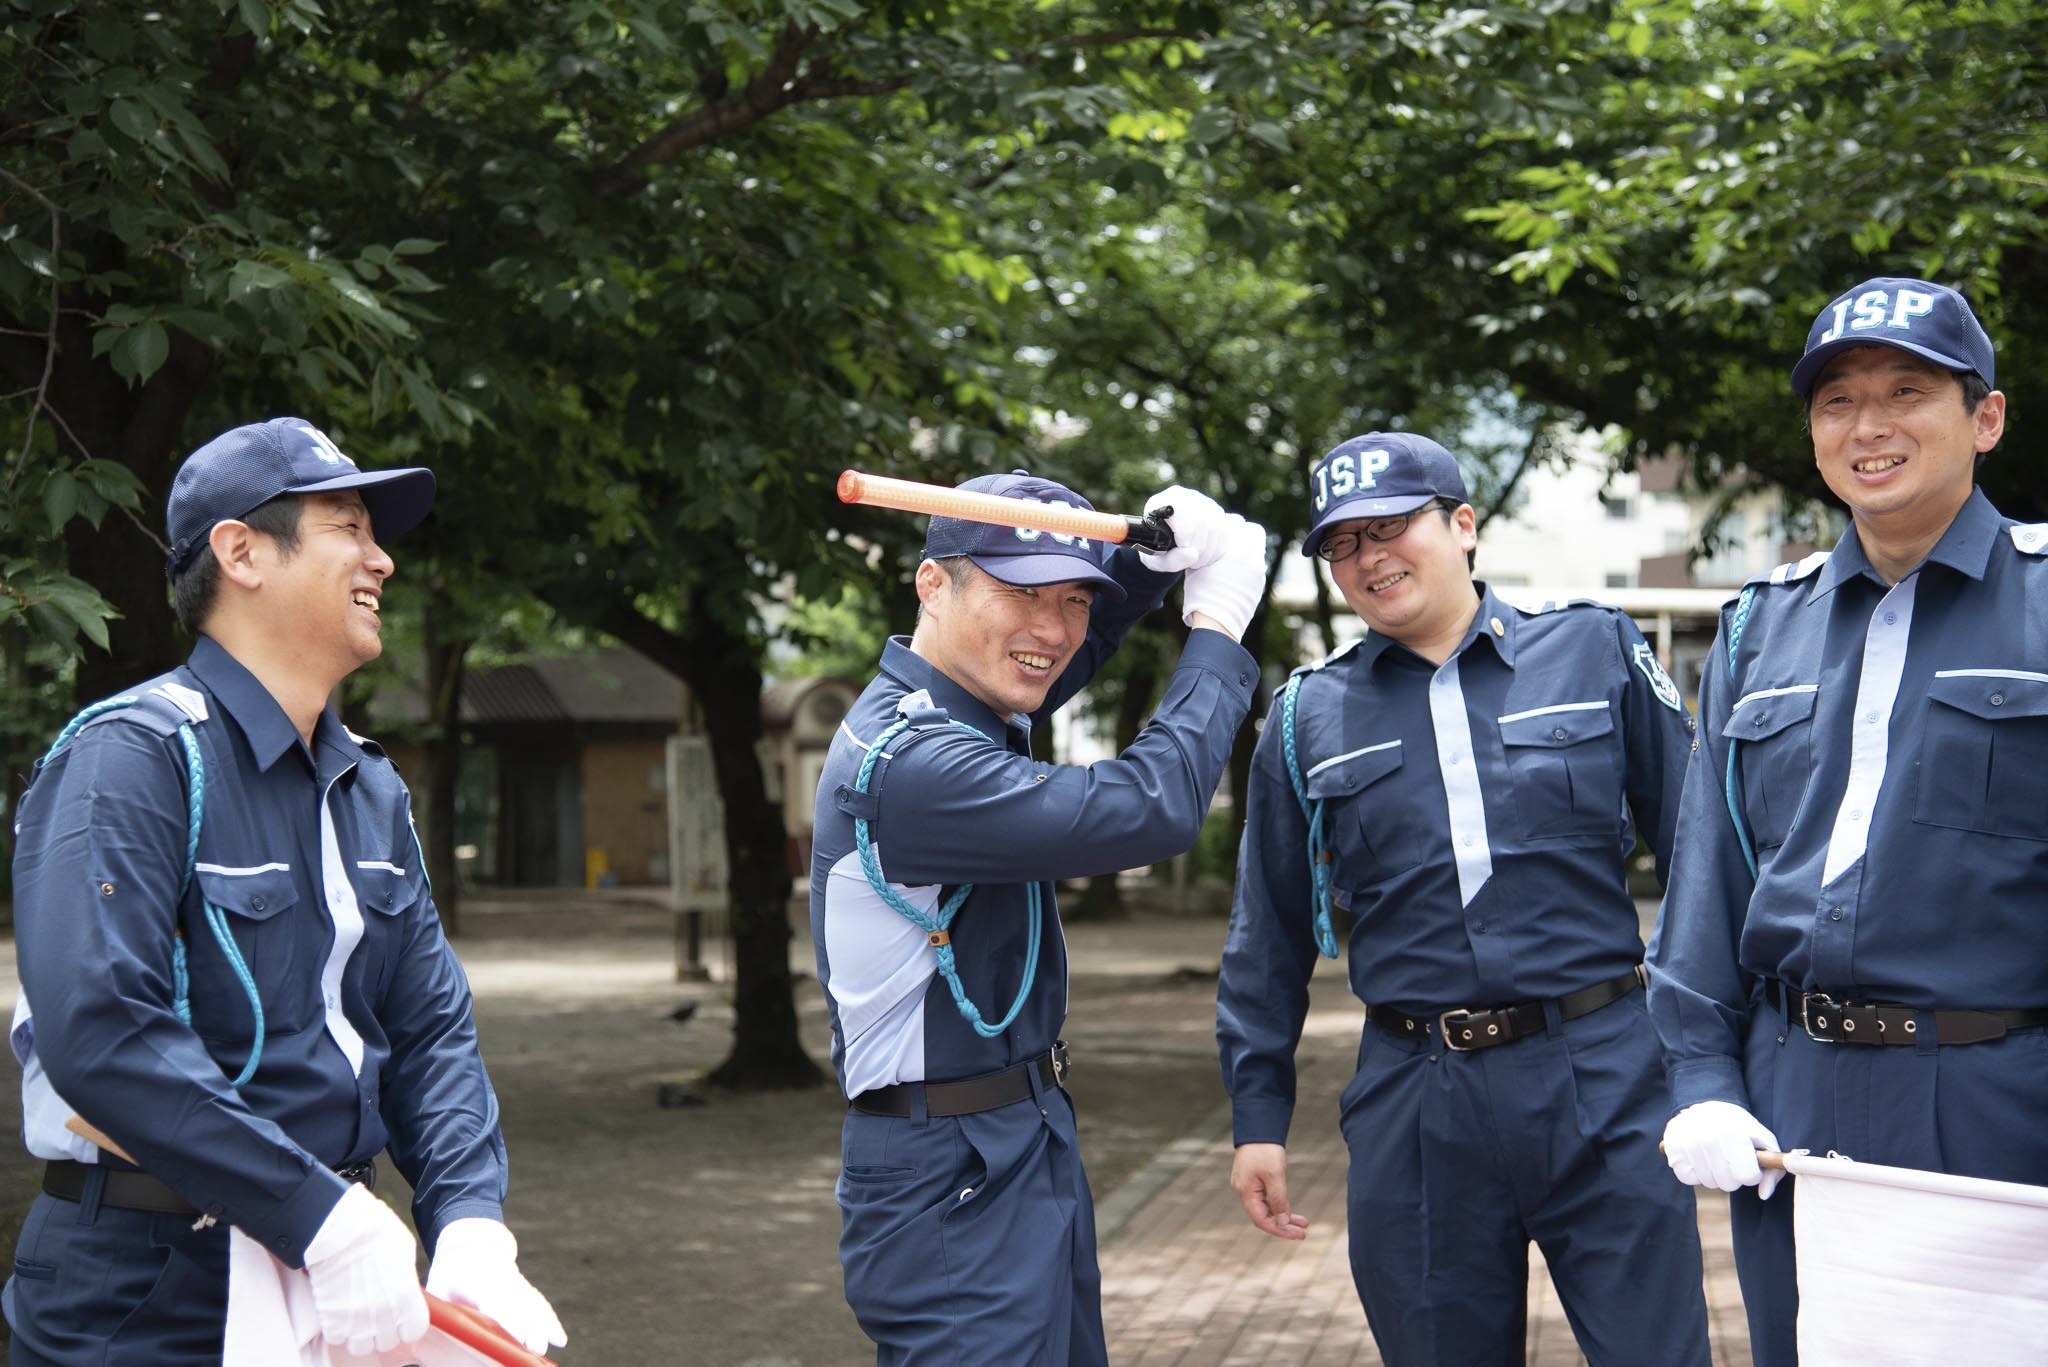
1260 1122
1717 1078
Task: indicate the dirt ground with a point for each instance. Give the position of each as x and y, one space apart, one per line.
705 1234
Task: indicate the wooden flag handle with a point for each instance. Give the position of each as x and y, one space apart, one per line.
937 500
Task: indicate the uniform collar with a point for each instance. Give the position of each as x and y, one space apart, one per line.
269 731
915 672
1965 547
1491 610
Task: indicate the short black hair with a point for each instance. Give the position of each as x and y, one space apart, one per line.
193 591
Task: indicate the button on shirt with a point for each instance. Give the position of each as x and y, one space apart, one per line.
1891 767
1478 817
311 858
949 807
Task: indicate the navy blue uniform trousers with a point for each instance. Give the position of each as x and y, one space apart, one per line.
1976 1110
971 1239
1459 1160
112 1287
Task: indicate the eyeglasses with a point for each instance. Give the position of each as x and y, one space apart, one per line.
1340 545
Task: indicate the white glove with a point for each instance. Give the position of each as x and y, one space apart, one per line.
476 1263
1714 1144
1229 588
1200 530
366 1286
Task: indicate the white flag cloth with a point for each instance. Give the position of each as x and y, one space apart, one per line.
1899 1267
272 1323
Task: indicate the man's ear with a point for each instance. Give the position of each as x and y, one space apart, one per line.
234 546
932 581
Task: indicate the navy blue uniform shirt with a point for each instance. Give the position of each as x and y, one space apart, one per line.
1478 814
950 807
1892 774
368 1042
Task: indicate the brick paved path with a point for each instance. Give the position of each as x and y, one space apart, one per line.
1187 1281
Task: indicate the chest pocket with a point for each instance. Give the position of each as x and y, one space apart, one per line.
1772 732
385 889
1984 754
1375 827
1565 771
257 906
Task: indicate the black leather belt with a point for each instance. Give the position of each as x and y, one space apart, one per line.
969 1095
1465 1030
132 1189
1839 1022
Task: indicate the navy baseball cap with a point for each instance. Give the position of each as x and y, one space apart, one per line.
1021 555
247 466
1381 474
1931 321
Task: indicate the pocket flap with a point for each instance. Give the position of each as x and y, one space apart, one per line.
1555 727
254 894
383 887
1767 713
1347 774
1990 694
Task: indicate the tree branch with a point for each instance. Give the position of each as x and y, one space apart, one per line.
778 86
42 389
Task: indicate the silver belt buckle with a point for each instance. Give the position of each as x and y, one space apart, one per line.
1459 1017
1811 1020
1060 1063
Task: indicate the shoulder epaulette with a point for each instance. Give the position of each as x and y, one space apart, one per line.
1339 653
161 705
2030 537
1560 604
1792 571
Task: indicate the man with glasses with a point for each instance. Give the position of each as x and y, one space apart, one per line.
1460 784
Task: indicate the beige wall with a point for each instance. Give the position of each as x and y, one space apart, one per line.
625 808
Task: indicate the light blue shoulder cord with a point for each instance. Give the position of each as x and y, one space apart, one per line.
936 926
1735 625
195 789
1318 850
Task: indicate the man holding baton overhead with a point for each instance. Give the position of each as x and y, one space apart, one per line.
969 1232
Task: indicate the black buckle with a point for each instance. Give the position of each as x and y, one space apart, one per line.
1060 1063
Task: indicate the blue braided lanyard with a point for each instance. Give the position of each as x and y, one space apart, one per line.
937 925
195 803
1735 625
1319 865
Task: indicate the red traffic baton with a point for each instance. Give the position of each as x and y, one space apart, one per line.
909 496
473 1329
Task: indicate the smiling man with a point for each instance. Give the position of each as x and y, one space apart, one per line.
253 1009
1850 956
1461 782
968 1228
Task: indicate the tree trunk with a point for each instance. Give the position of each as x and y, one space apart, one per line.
144 430
714 656
445 660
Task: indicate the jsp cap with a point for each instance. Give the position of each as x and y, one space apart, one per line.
1380 474
1022 555
1931 321
245 467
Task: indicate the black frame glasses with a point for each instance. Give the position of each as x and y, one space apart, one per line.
1340 545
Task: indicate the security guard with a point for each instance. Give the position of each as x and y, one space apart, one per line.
231 964
968 1228
1853 953
1460 781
